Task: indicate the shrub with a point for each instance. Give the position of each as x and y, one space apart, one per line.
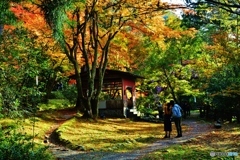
16 145
146 105
57 95
70 93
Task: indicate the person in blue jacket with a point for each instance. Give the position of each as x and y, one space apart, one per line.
177 117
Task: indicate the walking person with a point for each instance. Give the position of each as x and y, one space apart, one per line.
167 120
177 117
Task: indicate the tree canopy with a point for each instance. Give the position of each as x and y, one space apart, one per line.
195 54
231 6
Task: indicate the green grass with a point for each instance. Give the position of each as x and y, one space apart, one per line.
179 152
124 135
45 119
38 129
17 139
119 135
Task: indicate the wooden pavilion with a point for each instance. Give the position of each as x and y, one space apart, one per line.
118 98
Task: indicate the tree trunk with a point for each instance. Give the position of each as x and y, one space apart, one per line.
80 97
79 107
94 103
86 102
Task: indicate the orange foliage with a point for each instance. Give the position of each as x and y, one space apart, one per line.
32 19
149 23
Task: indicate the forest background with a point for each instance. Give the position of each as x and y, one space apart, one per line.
194 56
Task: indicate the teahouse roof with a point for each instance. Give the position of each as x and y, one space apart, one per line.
112 74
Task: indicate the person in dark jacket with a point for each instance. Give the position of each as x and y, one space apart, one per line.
167 120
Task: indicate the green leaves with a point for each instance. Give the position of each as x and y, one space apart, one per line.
21 61
230 6
17 145
6 16
55 14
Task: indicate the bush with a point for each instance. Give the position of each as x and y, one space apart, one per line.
70 93
15 145
146 105
55 104
57 95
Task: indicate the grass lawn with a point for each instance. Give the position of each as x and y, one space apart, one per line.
118 135
39 125
115 134
38 129
124 135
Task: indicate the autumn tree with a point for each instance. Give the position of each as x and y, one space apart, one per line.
85 31
219 63
30 17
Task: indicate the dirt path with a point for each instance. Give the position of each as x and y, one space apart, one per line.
195 129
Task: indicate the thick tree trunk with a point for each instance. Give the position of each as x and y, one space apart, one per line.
80 97
85 102
87 108
79 107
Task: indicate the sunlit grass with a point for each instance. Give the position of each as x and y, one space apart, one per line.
124 135
42 122
119 135
17 140
36 127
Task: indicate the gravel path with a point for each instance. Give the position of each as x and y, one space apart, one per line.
195 129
